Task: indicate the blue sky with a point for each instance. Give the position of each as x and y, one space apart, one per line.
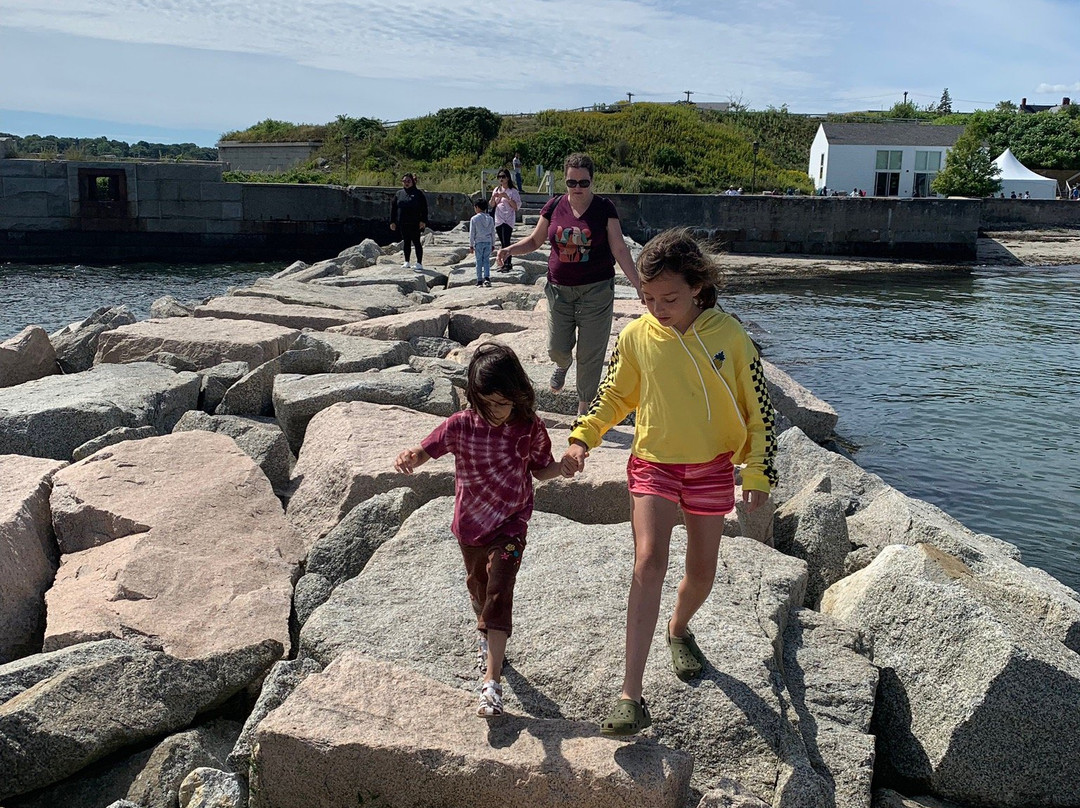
189 70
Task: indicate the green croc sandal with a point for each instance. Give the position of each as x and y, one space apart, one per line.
627 717
686 658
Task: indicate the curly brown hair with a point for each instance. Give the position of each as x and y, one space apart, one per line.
579 160
678 252
495 368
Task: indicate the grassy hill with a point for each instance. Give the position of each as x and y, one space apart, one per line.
637 147
642 147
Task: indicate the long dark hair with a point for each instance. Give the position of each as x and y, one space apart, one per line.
495 369
678 252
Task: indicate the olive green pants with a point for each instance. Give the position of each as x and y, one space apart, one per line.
580 315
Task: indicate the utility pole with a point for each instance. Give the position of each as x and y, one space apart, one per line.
629 98
753 182
688 94
905 96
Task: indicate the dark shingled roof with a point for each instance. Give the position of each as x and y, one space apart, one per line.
891 134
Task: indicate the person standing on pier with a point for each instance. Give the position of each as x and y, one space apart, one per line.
505 201
408 216
517 170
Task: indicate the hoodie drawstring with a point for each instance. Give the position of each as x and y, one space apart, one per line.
734 403
704 391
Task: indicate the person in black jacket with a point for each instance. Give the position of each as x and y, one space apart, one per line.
408 216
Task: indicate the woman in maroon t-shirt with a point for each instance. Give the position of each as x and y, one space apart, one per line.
586 243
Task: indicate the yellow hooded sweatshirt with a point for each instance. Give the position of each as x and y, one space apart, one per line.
697 395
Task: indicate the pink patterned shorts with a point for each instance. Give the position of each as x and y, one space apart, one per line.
704 489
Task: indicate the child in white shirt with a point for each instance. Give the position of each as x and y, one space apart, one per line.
481 237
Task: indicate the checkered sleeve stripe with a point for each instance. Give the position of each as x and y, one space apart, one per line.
605 384
768 417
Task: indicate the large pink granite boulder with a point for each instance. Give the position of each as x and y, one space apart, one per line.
26 356
401 740
205 341
404 326
176 541
27 552
268 310
348 456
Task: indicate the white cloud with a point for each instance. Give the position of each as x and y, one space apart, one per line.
1058 88
645 47
220 64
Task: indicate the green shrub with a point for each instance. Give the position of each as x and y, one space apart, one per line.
461 131
271 131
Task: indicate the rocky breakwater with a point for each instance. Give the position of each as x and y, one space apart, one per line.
215 590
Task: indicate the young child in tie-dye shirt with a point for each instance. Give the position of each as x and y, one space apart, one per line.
499 446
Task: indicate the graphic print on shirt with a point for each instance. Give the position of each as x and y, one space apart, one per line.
573 243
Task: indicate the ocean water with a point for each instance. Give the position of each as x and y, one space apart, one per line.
961 392
54 295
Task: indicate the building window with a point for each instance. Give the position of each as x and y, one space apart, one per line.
927 166
821 168
887 173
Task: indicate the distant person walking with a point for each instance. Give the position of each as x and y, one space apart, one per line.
517 170
481 239
586 243
408 216
505 201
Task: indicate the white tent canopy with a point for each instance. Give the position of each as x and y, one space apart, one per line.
1017 178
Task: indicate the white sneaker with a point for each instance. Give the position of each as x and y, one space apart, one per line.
490 702
481 653
406 265
419 267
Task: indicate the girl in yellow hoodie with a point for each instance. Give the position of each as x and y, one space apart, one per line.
698 386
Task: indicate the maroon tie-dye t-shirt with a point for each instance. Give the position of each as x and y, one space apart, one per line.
493 465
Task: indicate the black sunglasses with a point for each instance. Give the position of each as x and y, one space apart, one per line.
578 183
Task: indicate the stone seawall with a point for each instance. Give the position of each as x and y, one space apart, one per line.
934 229
1025 214
55 210
128 211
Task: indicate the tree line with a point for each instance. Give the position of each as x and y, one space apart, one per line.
75 148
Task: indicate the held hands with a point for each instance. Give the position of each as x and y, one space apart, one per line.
409 459
574 459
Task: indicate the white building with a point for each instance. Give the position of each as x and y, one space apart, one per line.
883 159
